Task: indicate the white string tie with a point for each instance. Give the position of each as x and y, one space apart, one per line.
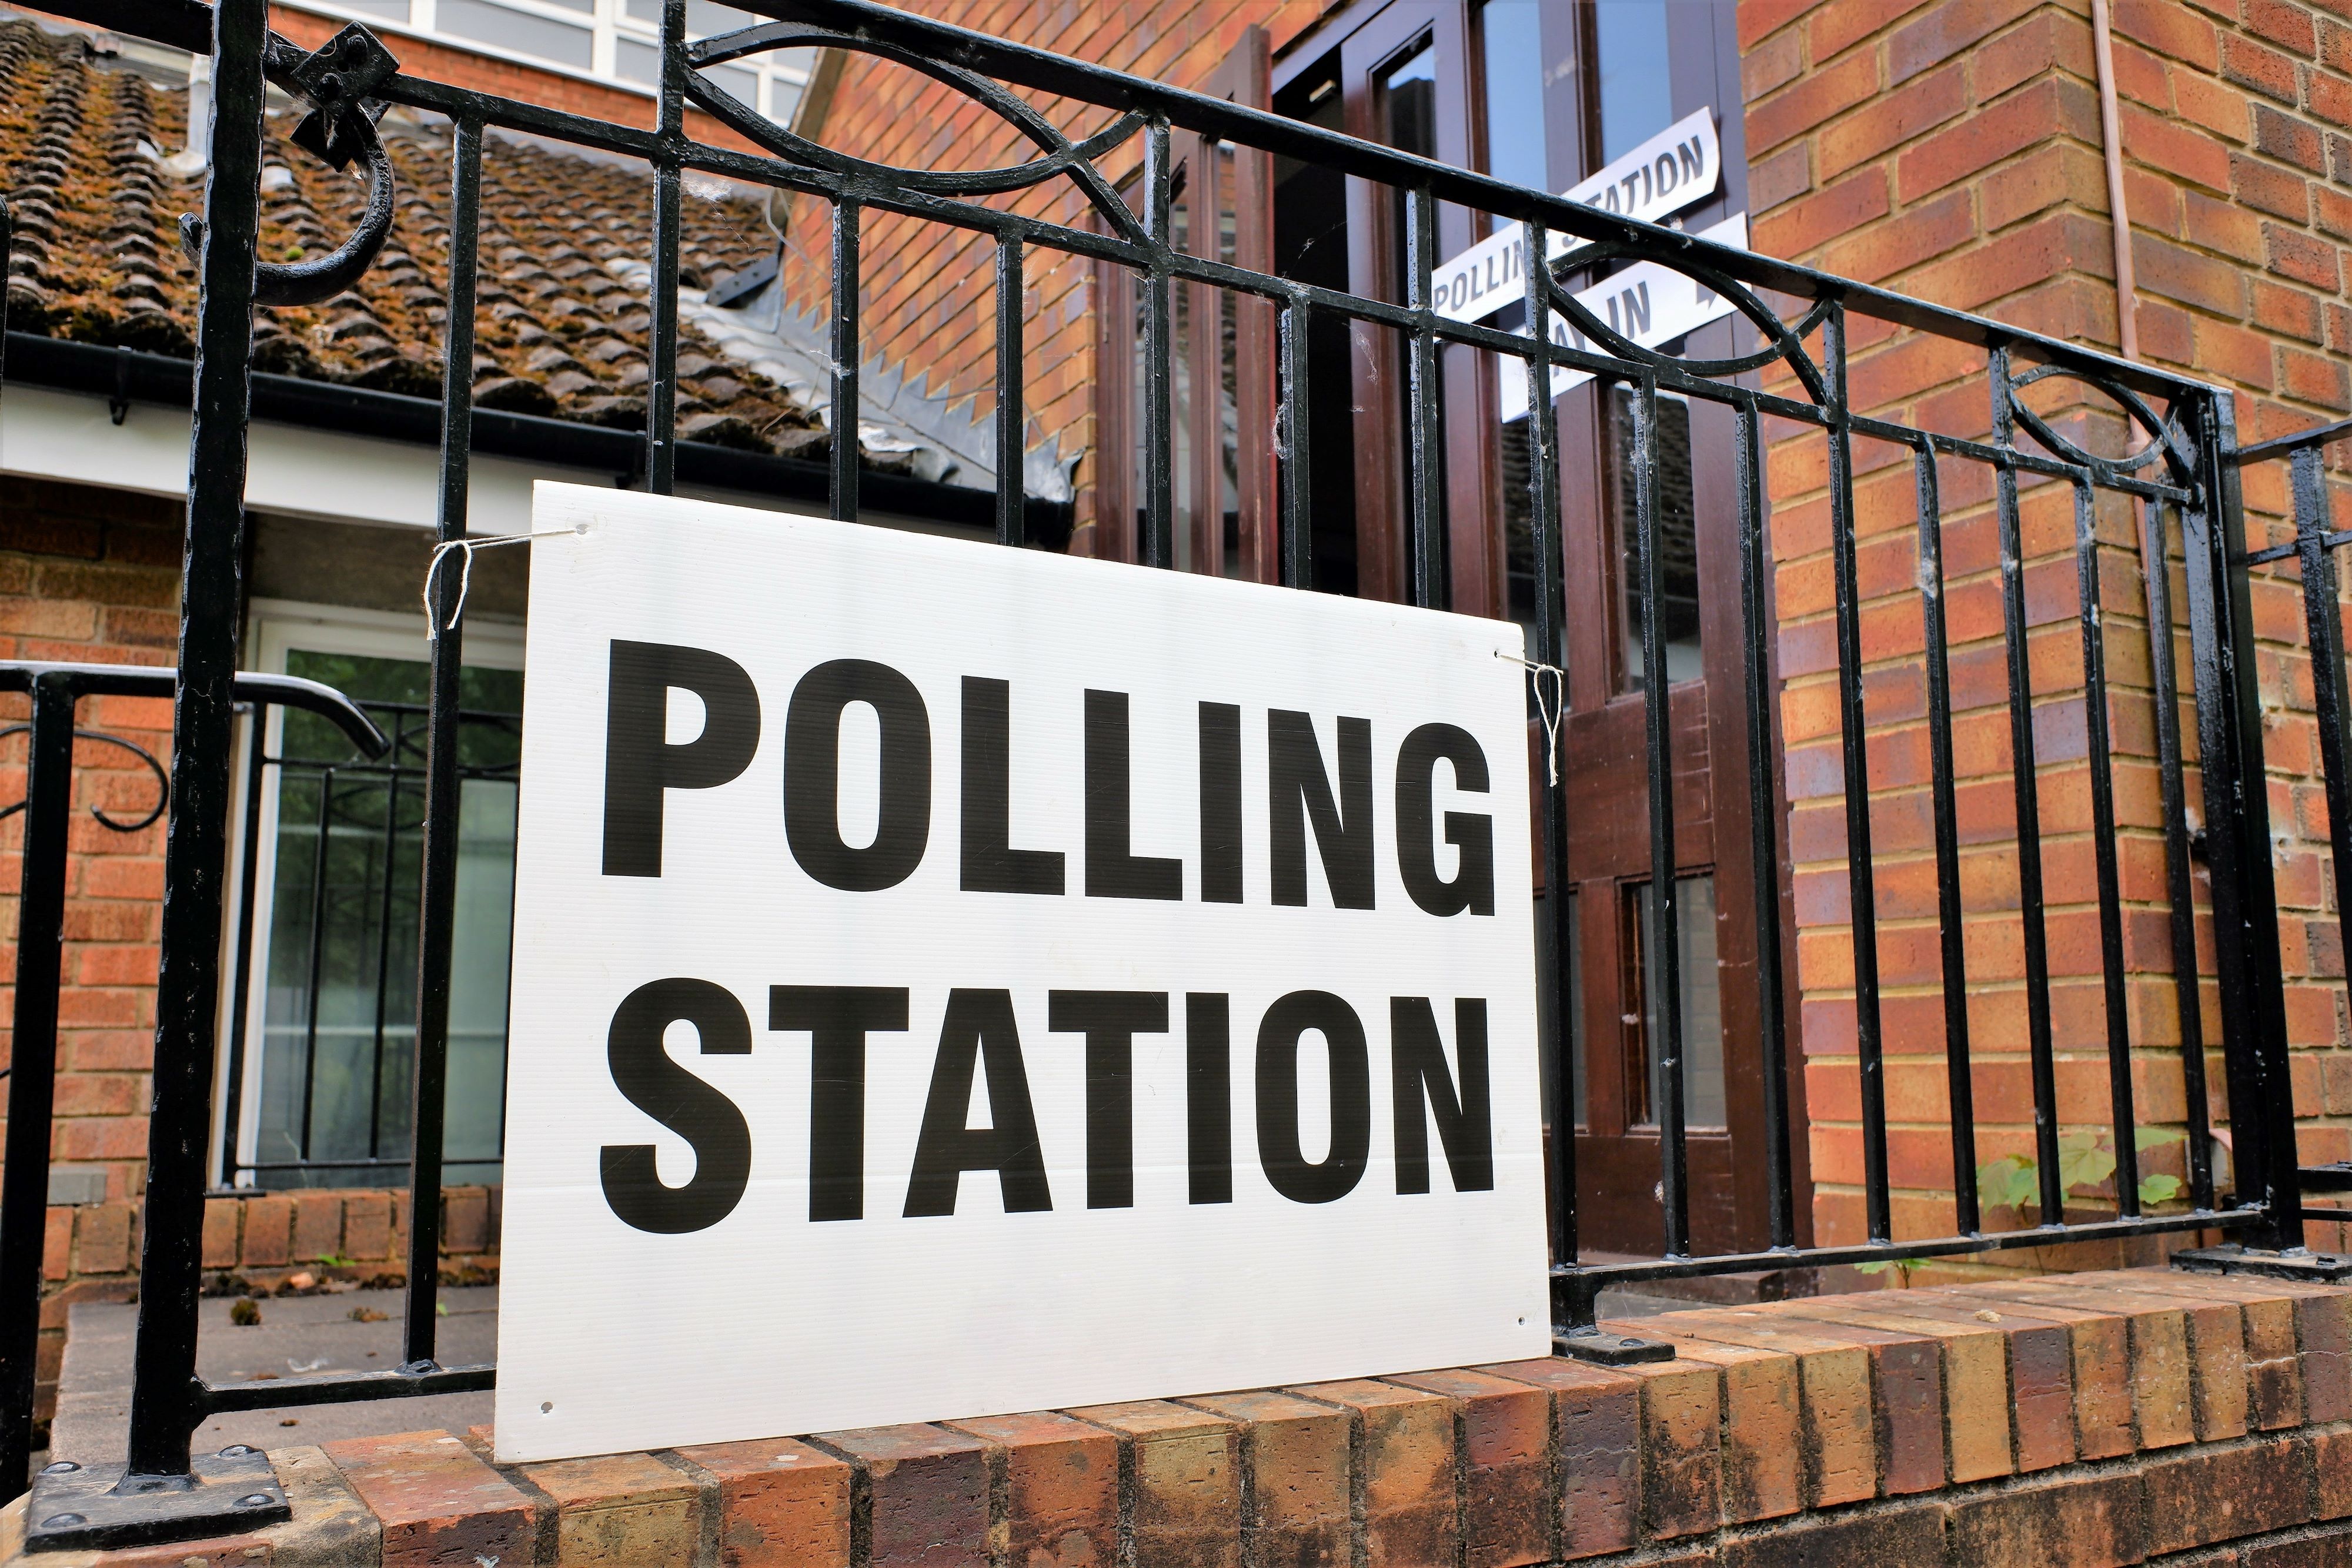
465 548
1552 705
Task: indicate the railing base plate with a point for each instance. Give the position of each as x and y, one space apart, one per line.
2316 1267
1607 1349
76 1508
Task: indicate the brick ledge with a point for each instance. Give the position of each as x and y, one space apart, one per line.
2115 1417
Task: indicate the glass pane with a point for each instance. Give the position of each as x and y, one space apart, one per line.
1409 107
339 975
1675 526
1511 40
636 61
1409 91
1637 89
1227 427
702 17
1699 986
544 37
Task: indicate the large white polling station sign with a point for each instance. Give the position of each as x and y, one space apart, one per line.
951 979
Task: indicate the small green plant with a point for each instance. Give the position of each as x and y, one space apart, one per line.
2086 1158
1901 1266
245 1313
335 1261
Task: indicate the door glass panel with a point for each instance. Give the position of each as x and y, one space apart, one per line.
1409 109
1674 525
339 975
1510 40
1636 88
1179 394
1311 245
1699 986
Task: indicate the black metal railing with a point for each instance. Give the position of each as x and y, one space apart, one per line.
2313 549
47 806
1794 380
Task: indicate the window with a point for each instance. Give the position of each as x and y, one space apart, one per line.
1510 47
612 40
1698 990
1673 533
1634 84
330 984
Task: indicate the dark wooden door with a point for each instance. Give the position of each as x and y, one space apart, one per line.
1605 762
1420 75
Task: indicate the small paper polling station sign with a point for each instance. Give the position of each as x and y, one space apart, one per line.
952 981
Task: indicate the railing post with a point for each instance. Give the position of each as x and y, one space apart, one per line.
32 1062
2238 844
161 1496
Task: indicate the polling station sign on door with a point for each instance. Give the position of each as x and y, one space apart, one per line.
950 980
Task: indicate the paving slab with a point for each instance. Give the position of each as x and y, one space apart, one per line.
298 1336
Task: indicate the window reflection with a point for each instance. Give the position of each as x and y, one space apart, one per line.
1510 40
1636 88
1698 986
1674 529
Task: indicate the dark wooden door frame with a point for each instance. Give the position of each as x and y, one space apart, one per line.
1245 77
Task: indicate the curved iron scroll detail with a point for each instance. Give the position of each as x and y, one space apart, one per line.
1063 156
1782 341
2165 436
335 80
162 779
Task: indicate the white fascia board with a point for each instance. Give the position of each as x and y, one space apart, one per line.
294 471
297 472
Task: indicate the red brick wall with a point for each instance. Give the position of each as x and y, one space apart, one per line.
929 291
1953 151
93 575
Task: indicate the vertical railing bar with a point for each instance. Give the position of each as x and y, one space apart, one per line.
669 196
1158 416
436 901
187 985
1854 737
1551 649
2095 730
317 952
1763 815
1427 521
2180 892
1663 972
2323 622
1293 446
33 1063
1942 769
2027 786
1012 488
847 216
240 997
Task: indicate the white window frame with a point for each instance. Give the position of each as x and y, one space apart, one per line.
276 628
606 24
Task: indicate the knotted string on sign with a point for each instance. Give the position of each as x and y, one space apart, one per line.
1551 705
465 549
